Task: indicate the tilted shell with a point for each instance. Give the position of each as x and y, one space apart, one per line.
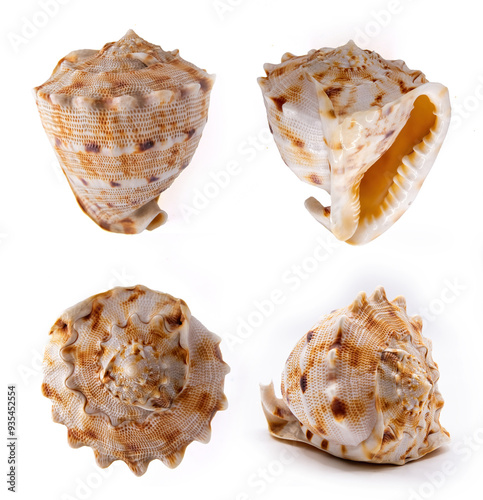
124 122
364 129
133 375
361 385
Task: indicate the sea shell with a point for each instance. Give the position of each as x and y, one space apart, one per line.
124 122
133 375
361 385
364 129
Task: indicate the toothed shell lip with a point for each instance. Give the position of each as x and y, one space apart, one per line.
96 425
412 171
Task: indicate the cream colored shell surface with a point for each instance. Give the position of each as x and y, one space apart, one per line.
134 376
124 122
364 129
361 385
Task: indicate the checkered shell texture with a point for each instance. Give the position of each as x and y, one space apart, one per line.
333 113
353 79
134 376
362 385
124 122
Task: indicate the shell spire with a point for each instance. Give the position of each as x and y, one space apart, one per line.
134 376
364 129
130 42
124 122
362 385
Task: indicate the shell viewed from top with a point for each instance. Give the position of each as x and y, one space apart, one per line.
133 375
364 129
361 385
124 122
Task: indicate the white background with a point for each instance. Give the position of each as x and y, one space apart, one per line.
244 242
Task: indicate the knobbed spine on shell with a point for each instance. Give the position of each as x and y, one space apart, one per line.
124 122
134 376
361 385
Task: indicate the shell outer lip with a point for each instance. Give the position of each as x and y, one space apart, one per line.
341 197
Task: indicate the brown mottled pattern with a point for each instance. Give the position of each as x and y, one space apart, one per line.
94 379
124 126
362 368
315 179
299 143
353 80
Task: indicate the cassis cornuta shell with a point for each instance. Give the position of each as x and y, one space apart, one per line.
361 385
134 376
124 122
364 129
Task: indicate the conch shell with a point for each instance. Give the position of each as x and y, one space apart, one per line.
124 122
133 375
361 385
364 129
